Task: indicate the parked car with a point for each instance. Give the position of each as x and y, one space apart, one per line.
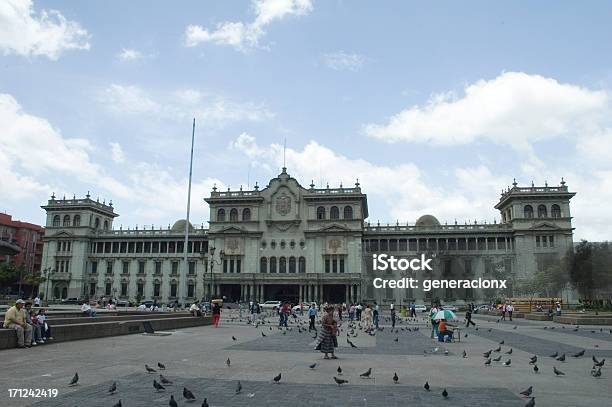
124 303
305 306
147 303
481 307
420 308
72 300
270 305
450 307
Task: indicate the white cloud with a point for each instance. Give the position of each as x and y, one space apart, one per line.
243 36
117 154
129 54
25 32
181 105
343 61
514 109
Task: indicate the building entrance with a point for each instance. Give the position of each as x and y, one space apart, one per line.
284 292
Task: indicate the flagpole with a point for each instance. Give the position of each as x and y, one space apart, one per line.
183 277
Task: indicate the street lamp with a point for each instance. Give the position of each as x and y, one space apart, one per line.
212 262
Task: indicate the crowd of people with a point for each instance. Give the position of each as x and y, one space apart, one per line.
29 323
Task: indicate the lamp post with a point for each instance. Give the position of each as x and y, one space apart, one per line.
212 262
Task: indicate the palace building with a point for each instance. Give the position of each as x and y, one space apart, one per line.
296 243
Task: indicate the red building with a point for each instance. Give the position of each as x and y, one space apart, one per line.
28 237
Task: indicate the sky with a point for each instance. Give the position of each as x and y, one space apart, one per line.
434 106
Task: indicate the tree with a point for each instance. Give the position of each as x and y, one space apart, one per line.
34 280
9 275
590 268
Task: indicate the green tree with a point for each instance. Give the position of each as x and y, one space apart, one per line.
9 275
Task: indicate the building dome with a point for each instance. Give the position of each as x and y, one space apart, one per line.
179 226
427 221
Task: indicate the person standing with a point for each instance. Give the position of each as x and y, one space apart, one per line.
392 316
368 315
254 311
510 309
351 312
358 310
434 323
558 308
37 301
376 314
340 312
312 315
329 330
503 310
468 318
15 318
216 313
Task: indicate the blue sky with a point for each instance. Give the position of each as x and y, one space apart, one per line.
435 107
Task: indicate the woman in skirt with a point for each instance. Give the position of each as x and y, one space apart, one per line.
329 330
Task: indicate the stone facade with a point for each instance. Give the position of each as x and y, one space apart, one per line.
289 242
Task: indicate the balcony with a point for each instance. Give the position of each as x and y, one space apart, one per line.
60 276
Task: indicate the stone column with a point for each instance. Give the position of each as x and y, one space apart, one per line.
300 296
346 294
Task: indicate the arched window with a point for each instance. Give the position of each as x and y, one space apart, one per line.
97 223
555 211
302 265
334 213
66 220
320 212
191 289
156 288
234 215
263 265
272 264
246 214
542 213
56 221
292 264
348 212
77 220
105 225
282 265
221 215
528 211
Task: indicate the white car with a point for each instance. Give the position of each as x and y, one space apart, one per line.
305 307
420 308
450 307
270 305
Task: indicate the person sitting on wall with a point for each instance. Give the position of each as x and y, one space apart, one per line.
44 326
87 310
444 329
15 318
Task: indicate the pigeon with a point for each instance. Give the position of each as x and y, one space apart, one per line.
234 338
396 340
497 359
596 372
161 366
340 381
350 343
172 402
507 362
515 327
444 393
158 386
464 354
601 363
561 358
228 362
488 362
205 403
502 342
339 370
238 387
313 366
263 334
164 380
595 360
366 374
509 352
535 368
558 372
426 386
530 403
487 354
150 369
277 378
533 359
117 404
113 388
498 349
75 380
395 378
578 354
527 392
554 355
188 394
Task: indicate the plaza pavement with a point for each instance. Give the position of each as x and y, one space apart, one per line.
196 358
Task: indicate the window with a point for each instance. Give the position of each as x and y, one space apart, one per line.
77 220
263 265
225 265
124 289
96 223
192 267
348 212
555 211
140 288
92 289
302 265
105 225
537 241
320 212
109 267
163 247
156 288
542 213
234 215
173 287
334 266
131 247
221 215
56 221
190 289
66 221
238 265
282 265
141 267
108 288
327 265
292 264
551 240
272 264
126 267
342 265
528 211
94 267
175 265
246 214
334 213
158 267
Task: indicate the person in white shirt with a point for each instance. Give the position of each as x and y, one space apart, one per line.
142 307
87 310
509 309
37 301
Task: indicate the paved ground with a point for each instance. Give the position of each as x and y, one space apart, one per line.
196 358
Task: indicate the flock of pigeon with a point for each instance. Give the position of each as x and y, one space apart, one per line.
353 329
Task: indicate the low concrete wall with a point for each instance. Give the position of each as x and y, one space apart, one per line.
108 318
94 329
537 316
582 319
